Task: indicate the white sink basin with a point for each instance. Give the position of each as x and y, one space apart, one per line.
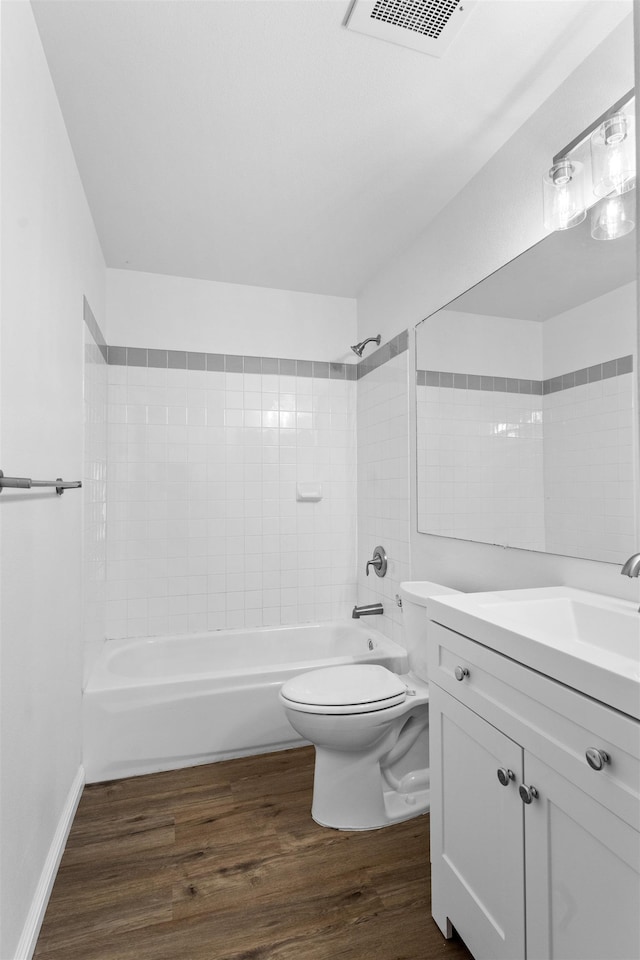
586 640
556 619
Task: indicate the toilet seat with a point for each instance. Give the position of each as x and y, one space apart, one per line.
349 689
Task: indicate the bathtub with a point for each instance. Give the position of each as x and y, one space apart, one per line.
169 702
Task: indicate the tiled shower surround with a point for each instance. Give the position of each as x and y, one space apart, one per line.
543 465
204 528
192 466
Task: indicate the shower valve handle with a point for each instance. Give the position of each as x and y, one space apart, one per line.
378 562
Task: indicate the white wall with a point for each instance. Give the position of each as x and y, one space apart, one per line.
492 220
50 258
176 313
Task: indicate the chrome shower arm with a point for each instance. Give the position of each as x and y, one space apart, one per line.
359 347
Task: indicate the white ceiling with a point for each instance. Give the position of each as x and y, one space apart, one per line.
260 142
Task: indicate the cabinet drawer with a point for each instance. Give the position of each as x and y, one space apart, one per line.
551 720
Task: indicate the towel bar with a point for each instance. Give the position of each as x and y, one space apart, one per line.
25 483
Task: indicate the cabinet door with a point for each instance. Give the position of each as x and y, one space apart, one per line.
582 874
477 853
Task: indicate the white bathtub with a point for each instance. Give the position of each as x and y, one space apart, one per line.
170 702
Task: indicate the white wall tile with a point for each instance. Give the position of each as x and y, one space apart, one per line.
203 469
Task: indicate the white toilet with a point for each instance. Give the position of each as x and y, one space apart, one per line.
370 730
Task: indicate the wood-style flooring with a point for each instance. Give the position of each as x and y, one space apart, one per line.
223 862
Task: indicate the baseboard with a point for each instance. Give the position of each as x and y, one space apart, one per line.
31 929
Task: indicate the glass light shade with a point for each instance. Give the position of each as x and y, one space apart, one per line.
563 194
613 156
613 217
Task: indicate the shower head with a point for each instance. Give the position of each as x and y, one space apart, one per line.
359 347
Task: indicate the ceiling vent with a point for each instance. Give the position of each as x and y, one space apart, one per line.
425 25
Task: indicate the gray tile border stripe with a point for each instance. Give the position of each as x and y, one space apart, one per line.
177 359
136 357
117 355
625 364
196 361
574 378
236 363
253 364
215 361
233 363
157 358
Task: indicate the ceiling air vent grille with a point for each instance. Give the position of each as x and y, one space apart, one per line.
429 19
425 25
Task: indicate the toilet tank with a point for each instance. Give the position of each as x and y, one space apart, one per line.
415 595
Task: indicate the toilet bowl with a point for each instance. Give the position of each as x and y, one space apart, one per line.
369 727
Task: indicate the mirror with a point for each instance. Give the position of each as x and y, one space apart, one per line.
526 422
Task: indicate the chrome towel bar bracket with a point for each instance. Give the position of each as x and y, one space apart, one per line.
25 483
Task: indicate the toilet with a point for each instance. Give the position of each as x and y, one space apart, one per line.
369 727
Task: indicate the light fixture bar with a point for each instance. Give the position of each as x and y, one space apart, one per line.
596 123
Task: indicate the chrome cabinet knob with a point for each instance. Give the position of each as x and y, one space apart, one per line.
505 776
461 672
527 794
597 758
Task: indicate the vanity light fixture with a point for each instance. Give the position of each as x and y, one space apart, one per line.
563 185
613 217
612 175
613 159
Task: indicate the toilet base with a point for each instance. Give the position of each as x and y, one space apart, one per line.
350 792
398 807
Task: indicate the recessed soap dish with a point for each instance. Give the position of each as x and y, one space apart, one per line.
309 491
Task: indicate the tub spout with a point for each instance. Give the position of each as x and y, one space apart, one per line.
632 566
366 610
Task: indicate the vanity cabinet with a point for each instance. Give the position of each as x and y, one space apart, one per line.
534 853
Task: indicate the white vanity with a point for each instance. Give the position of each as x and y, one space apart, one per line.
535 773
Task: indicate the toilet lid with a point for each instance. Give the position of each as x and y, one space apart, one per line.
356 688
